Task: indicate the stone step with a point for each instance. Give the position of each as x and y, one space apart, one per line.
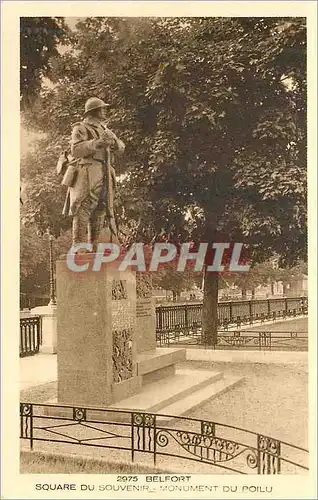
185 405
173 396
156 359
157 395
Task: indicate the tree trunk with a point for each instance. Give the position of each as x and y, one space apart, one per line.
253 293
244 293
272 288
174 296
284 288
210 308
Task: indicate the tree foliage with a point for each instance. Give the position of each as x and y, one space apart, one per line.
213 114
210 124
39 38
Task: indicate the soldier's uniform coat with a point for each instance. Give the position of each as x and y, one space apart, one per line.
90 179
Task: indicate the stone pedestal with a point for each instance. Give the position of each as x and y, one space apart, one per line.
96 345
153 364
106 348
145 314
49 328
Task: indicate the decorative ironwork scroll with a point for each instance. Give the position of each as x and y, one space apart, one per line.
268 455
143 432
25 420
209 449
207 428
238 340
218 445
79 414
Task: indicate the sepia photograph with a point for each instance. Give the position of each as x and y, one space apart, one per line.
164 271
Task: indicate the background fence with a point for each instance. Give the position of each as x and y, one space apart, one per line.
218 445
30 335
188 317
183 324
238 339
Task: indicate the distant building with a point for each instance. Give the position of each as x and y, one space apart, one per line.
298 286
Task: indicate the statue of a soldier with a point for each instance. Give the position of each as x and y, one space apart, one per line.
90 196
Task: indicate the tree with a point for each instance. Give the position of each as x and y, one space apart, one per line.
44 195
287 275
34 261
169 278
39 39
213 112
260 274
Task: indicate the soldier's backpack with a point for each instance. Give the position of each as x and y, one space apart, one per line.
66 166
62 163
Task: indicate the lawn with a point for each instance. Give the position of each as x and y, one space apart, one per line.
290 325
46 463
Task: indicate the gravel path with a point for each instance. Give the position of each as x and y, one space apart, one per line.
273 399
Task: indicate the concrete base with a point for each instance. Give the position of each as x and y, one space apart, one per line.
167 371
155 364
200 397
151 366
126 388
175 395
180 393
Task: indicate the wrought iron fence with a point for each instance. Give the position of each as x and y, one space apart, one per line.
237 339
262 340
188 317
30 335
218 445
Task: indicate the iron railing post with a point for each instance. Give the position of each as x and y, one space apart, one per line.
160 318
203 445
154 439
132 434
186 321
268 308
31 426
52 277
231 312
286 305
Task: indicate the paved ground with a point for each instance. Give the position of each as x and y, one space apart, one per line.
38 369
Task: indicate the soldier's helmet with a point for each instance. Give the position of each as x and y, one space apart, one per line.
94 103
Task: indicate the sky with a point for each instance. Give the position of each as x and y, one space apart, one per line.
71 21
